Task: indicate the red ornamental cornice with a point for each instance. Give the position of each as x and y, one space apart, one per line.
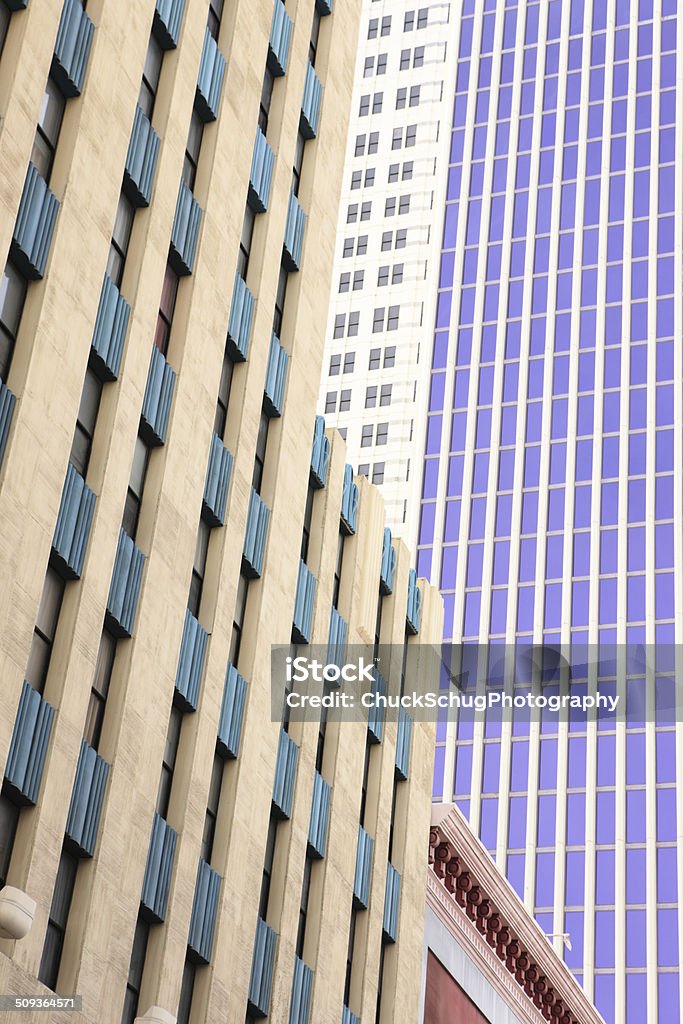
466 871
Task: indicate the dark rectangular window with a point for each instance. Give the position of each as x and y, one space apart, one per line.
298 163
45 630
150 76
199 568
223 396
268 867
9 819
192 150
86 420
59 915
238 620
120 239
280 300
136 486
308 518
12 297
266 97
349 957
212 809
135 971
100 688
186 992
315 35
4 24
338 570
169 294
260 456
168 763
48 128
245 242
303 908
213 21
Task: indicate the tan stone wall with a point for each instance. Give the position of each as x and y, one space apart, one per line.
47 376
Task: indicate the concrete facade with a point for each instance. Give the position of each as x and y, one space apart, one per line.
86 943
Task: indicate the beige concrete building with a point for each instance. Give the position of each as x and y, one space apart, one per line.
170 507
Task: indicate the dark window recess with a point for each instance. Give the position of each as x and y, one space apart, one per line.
135 971
338 570
4 24
45 630
393 815
315 35
280 300
199 567
120 239
213 22
320 751
9 820
238 621
303 908
150 76
12 297
223 396
212 808
380 981
192 150
136 486
186 992
266 97
378 629
260 456
349 956
81 446
308 516
100 688
298 163
48 128
364 791
268 867
168 764
59 915
169 294
245 242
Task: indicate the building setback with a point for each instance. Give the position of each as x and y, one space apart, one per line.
376 374
171 507
551 509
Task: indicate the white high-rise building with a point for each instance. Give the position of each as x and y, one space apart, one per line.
384 287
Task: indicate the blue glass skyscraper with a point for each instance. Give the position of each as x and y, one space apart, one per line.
552 502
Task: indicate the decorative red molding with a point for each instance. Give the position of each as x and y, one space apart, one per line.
466 872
